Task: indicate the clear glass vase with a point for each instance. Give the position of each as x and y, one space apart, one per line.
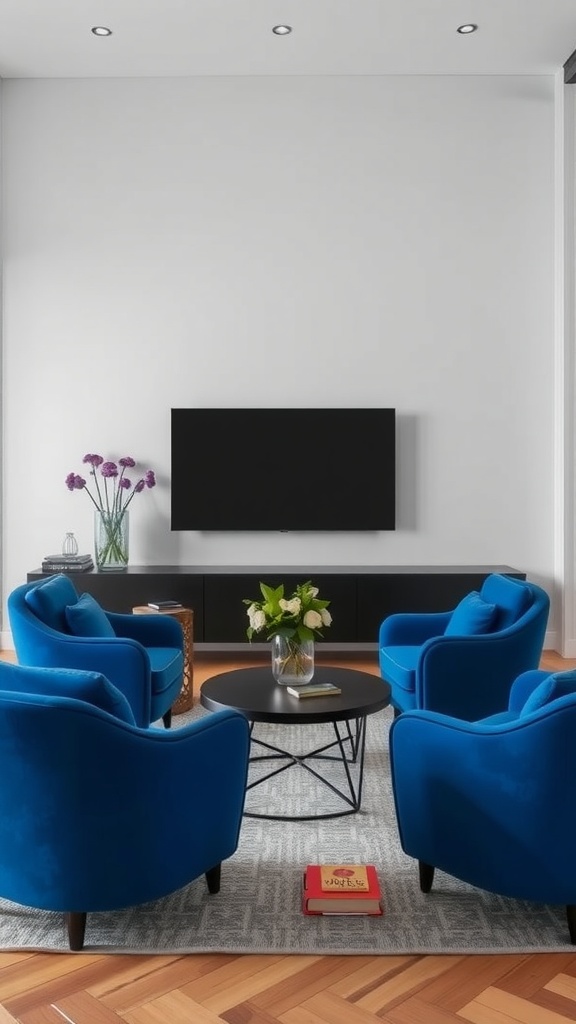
111 534
292 660
69 545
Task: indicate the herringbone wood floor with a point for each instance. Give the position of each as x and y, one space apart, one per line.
46 988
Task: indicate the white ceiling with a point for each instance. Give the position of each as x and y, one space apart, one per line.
41 39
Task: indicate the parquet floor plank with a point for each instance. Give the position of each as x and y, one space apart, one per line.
297 988
415 1011
496 1001
477 1013
556 1002
14 957
247 1013
132 984
332 1009
132 993
564 985
259 983
171 1008
45 971
45 1014
407 982
5 1017
462 982
534 972
365 975
300 1015
79 1008
58 985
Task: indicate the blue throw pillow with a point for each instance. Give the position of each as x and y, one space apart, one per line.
48 601
471 616
559 684
87 618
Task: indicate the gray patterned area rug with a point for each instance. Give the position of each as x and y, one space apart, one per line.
258 909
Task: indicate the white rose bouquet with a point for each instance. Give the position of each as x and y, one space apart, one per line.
301 616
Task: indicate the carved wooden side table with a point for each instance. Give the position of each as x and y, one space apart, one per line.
185 617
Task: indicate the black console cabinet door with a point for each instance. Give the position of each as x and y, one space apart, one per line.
225 618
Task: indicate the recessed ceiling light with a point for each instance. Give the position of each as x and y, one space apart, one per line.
465 30
282 30
100 30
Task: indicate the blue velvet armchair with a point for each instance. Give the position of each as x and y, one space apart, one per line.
463 662
142 655
492 802
90 816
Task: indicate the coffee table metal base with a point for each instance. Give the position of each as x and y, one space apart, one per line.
348 750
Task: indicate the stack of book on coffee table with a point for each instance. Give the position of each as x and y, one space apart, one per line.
67 563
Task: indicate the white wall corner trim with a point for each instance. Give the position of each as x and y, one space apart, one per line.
565 364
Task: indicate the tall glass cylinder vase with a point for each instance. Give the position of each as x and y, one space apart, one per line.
292 660
111 536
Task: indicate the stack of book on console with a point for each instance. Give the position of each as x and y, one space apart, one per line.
67 563
341 889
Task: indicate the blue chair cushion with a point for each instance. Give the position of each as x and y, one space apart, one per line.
86 618
398 665
91 687
471 616
559 684
49 599
167 665
511 598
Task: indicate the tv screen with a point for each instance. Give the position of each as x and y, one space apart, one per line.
283 469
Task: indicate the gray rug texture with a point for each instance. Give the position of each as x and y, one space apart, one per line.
258 909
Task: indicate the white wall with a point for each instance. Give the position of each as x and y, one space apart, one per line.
301 241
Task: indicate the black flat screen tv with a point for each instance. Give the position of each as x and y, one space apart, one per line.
283 469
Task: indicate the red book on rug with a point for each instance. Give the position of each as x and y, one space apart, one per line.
341 889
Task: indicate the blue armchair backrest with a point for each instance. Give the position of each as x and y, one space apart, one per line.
48 601
512 598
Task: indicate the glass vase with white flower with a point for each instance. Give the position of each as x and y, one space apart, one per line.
292 624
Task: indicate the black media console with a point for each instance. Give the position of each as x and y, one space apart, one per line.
360 596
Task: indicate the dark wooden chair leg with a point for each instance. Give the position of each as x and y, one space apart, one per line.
76 926
167 719
571 917
426 876
213 878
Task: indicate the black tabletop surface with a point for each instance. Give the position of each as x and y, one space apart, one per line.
255 693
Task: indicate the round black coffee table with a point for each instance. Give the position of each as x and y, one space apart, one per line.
255 693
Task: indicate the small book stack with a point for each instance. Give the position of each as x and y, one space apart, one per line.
67 563
341 889
164 606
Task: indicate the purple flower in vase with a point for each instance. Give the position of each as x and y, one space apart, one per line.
93 460
112 491
75 482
